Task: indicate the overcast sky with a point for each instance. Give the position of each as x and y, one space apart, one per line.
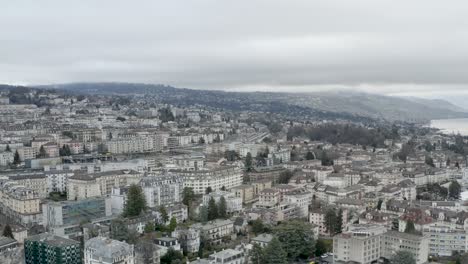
390 47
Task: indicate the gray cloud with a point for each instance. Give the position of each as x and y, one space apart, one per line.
391 47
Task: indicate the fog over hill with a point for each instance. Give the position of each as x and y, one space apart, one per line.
389 108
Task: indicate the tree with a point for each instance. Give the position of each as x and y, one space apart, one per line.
136 201
379 204
212 209
188 196
42 152
163 212
208 190
172 256
339 222
8 149
320 247
223 188
454 190
410 228
274 253
429 161
149 227
248 161
297 239
257 254
326 161
16 159
201 140
172 224
203 214
119 230
330 221
8 232
121 119
257 226
285 176
403 257
222 208
309 155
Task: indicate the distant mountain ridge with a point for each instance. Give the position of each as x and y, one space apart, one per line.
357 104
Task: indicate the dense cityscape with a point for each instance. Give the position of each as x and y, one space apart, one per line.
125 179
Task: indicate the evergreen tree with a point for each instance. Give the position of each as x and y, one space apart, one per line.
201 140
454 190
379 204
203 214
212 209
330 221
172 224
136 201
8 232
309 155
274 253
42 152
208 190
188 196
248 161
339 221
222 208
8 149
164 215
16 159
119 230
410 229
256 254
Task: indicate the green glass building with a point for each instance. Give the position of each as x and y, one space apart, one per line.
51 249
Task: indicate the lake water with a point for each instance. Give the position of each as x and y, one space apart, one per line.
450 126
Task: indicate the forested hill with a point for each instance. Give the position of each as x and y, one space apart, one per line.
329 104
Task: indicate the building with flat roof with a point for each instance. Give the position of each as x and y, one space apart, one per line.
46 248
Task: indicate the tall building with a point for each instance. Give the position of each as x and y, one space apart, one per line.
51 249
215 178
360 244
162 190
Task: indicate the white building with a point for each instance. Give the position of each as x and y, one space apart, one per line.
361 244
101 250
393 241
233 203
216 178
162 190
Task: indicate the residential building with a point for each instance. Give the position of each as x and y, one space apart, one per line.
393 241
361 244
215 178
233 203
162 190
101 250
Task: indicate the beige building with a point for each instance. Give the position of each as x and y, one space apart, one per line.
245 192
216 178
34 181
20 203
215 230
87 185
